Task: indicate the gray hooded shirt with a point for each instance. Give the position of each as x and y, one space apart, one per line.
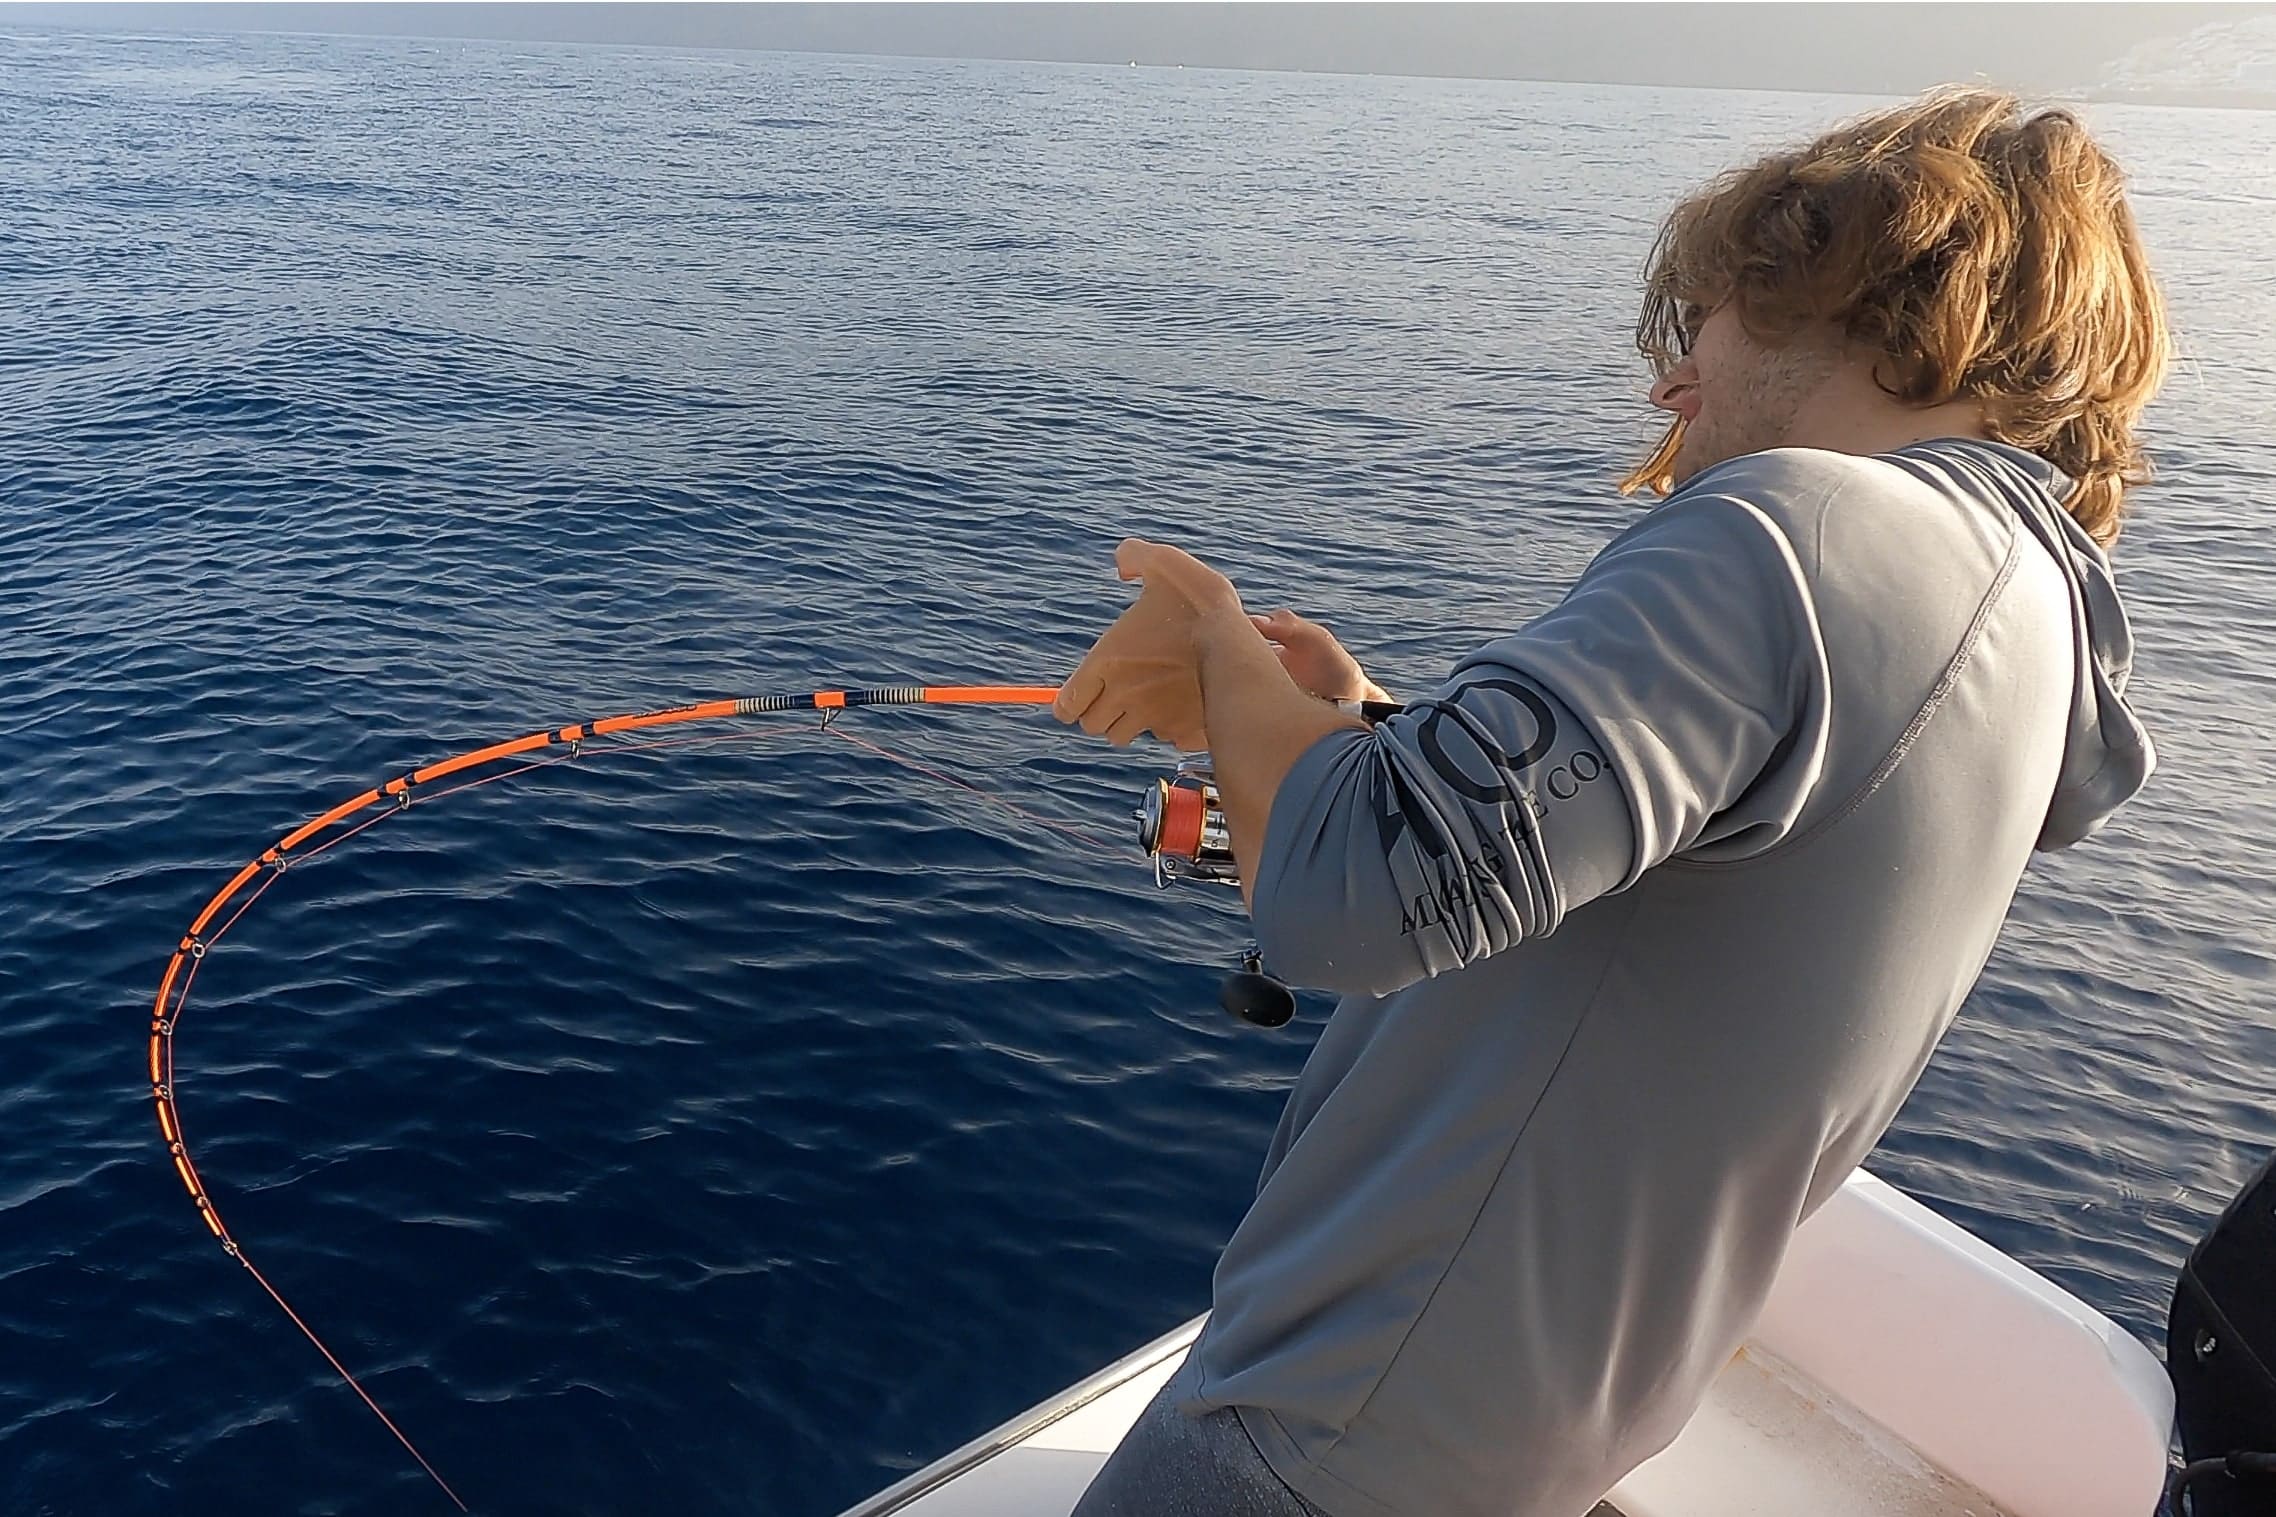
1645 923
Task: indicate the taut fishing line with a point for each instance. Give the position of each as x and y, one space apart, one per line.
347 819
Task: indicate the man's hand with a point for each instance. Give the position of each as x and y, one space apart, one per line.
1315 660
1144 674
1147 674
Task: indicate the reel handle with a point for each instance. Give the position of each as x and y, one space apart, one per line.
1181 828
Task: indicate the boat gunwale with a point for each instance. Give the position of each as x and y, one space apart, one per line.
1028 1423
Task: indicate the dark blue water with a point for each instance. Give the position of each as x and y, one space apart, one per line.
731 1128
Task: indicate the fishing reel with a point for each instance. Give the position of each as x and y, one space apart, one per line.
1181 828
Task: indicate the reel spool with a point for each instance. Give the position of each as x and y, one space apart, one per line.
1181 827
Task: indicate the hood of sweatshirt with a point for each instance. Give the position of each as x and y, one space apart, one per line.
2107 754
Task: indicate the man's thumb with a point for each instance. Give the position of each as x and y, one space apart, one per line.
1137 558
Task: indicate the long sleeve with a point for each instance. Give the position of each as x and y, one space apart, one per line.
1674 699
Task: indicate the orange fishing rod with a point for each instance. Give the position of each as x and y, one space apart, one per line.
397 795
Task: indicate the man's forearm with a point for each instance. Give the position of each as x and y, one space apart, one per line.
1260 723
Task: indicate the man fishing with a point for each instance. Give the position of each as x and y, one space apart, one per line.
1646 920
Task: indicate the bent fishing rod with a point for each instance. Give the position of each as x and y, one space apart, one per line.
1181 829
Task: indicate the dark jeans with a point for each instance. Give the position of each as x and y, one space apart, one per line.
1172 1465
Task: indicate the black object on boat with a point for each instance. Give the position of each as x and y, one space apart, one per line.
2220 1350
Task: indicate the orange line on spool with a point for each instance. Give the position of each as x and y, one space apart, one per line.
1182 818
1182 815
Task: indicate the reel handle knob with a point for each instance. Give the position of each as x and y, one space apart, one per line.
1256 997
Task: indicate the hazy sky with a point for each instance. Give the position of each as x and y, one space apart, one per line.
1865 48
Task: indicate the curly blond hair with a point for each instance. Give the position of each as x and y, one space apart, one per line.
1990 254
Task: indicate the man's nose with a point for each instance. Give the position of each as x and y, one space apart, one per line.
1678 390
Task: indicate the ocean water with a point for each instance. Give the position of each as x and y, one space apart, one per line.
733 1127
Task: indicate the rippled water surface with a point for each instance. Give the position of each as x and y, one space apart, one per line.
729 1128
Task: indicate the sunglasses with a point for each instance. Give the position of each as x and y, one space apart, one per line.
1690 316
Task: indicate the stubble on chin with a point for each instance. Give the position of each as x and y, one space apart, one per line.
1698 451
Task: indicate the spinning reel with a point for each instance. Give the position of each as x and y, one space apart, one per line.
1181 827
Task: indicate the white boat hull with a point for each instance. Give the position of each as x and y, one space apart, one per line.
1902 1368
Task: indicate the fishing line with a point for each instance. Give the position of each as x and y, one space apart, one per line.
322 833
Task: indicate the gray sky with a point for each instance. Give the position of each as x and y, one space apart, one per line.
1863 48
